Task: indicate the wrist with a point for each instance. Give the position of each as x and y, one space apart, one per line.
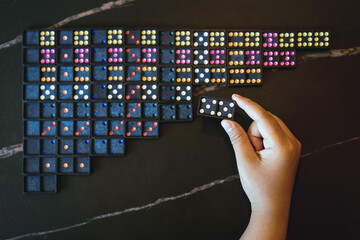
268 222
275 210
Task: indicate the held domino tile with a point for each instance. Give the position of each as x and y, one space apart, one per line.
216 107
86 91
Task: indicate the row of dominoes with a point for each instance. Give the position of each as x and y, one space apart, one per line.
129 92
216 56
83 110
98 128
62 165
78 129
193 38
201 76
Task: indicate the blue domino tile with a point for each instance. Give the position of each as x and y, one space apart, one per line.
66 128
150 129
98 91
31 56
99 55
32 128
66 73
100 128
31 165
99 109
167 74
133 110
65 55
31 92
65 37
48 165
32 74
83 146
48 146
117 128
117 146
48 128
100 146
142 129
32 183
82 165
66 165
49 183
31 38
82 110
37 183
116 110
167 93
32 110
150 110
167 112
99 73
132 92
184 112
32 146
170 112
133 129
48 110
82 128
65 92
66 146
66 110
167 38
99 36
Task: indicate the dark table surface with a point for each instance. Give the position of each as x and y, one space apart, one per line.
319 102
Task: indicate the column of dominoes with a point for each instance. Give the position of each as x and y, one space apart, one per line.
141 83
244 58
175 89
107 92
74 125
210 58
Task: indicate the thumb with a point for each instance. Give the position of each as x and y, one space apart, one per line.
243 149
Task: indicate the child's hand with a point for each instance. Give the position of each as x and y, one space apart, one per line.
267 158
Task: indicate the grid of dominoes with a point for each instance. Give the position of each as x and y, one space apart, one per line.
88 90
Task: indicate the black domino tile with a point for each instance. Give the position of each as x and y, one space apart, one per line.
173 112
216 107
312 40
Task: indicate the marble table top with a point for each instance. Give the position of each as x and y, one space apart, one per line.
185 185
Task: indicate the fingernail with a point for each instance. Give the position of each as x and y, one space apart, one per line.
235 96
227 125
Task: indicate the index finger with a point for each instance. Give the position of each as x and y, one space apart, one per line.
267 125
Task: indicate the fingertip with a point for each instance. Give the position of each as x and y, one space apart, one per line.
227 125
235 96
239 100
